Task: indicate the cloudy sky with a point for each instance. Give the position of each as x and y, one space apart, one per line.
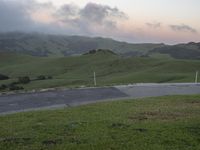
138 21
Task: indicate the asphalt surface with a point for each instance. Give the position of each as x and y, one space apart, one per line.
31 101
151 90
72 97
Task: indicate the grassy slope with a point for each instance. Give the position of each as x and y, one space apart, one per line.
58 45
181 51
55 45
110 69
164 123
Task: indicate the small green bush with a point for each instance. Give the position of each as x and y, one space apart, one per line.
24 80
41 77
3 77
3 87
49 77
15 87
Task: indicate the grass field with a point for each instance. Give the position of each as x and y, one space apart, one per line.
163 123
110 69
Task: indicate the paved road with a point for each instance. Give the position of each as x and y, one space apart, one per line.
71 97
150 89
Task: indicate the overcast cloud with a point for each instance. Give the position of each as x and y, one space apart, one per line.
183 28
14 16
154 25
68 19
91 19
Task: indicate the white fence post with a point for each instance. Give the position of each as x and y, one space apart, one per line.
196 77
95 81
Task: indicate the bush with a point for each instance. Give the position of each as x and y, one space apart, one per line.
14 88
24 80
49 77
3 87
3 77
14 83
92 51
41 77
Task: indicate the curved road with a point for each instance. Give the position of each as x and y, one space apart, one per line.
72 97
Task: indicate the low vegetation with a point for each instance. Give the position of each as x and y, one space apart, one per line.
94 51
43 77
3 87
110 68
24 80
20 82
163 123
3 77
14 87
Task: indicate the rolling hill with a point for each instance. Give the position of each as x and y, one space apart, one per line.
110 68
36 44
44 45
72 60
180 51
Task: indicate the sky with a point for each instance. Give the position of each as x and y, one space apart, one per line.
136 21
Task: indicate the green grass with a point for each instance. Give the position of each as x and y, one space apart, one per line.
110 69
163 123
161 56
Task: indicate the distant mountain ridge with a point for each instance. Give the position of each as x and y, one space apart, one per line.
44 45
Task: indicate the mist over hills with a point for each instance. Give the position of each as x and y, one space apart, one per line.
44 45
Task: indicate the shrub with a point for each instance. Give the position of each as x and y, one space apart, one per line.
3 77
49 77
24 80
3 87
14 87
92 51
41 77
14 83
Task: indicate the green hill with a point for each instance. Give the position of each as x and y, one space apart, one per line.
180 51
43 45
109 67
36 44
